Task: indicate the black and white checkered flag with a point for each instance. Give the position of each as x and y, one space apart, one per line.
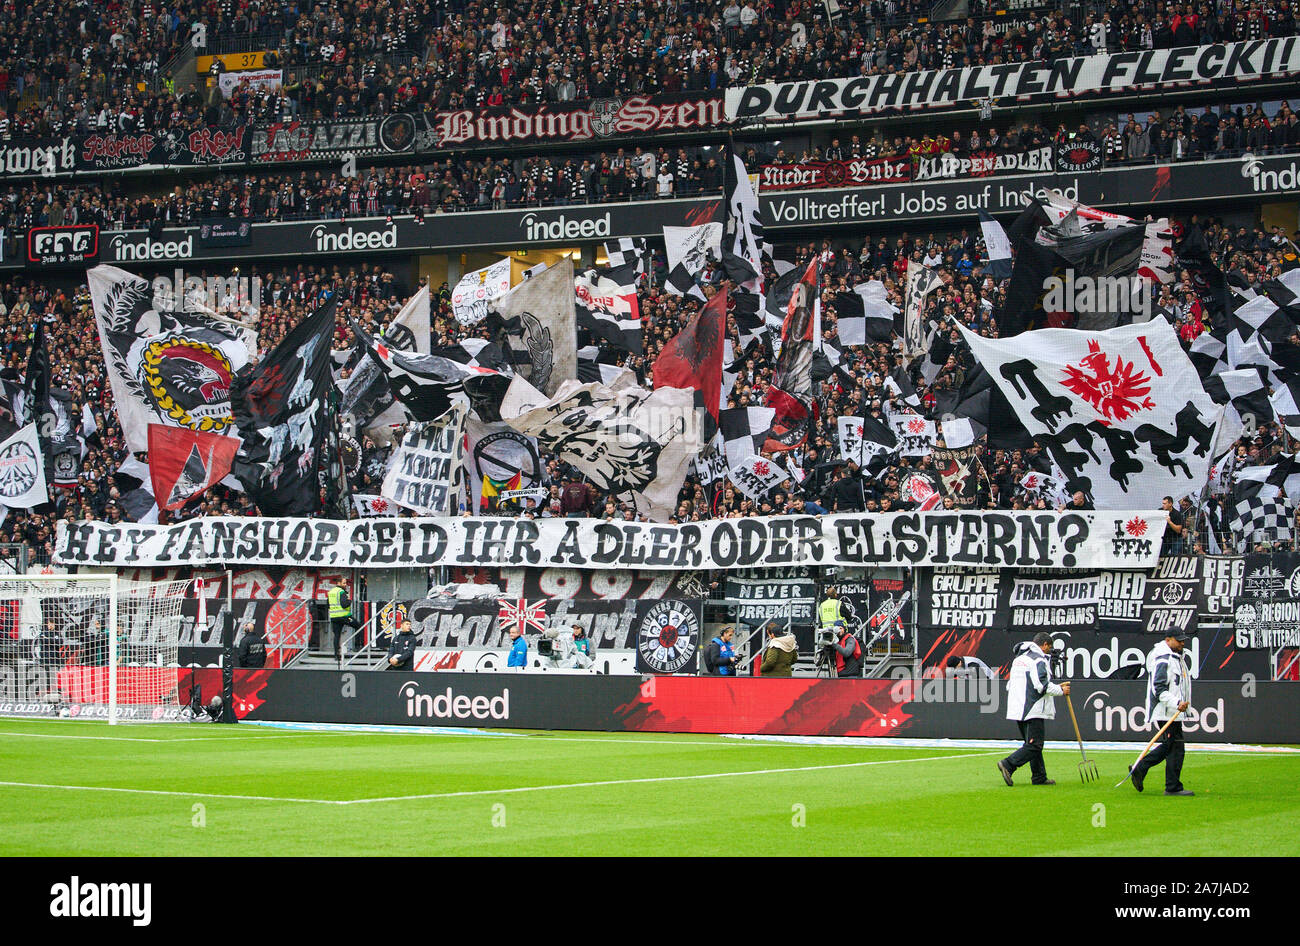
680 282
1262 520
627 259
1260 512
744 429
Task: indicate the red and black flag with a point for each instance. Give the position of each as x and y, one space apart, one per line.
692 360
791 393
183 463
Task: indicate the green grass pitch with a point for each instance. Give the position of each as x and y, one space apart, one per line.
213 790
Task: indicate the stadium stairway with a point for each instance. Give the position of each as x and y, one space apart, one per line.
368 659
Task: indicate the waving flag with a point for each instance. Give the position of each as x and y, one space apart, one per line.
1122 412
280 404
474 293
689 250
427 384
22 471
692 359
742 240
173 368
757 476
366 396
184 463
998 246
626 440
608 310
535 324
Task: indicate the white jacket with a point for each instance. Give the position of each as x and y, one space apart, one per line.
1029 685
1168 683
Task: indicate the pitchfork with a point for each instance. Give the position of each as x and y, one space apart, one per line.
1087 768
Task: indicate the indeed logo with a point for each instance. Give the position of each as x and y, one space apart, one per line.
75 899
562 228
450 706
150 249
1268 179
1108 719
345 240
1105 660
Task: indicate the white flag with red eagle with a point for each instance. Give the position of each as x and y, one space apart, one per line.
758 476
1122 412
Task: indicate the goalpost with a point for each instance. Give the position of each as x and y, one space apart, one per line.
97 644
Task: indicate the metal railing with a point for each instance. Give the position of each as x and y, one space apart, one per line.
298 648
310 71
227 43
174 67
368 650
13 558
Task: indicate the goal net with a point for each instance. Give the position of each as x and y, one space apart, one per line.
93 645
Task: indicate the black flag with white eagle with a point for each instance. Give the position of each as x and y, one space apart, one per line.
280 407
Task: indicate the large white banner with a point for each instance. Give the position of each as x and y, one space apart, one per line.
1122 412
428 472
1064 77
1122 540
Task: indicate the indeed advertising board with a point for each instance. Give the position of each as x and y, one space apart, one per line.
911 707
784 211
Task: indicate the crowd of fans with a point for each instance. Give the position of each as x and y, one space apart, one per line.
85 67
446 186
467 183
827 481
80 65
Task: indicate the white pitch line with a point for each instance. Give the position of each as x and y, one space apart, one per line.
60 735
485 791
159 791
51 735
705 740
662 778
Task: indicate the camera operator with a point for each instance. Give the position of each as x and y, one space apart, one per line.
583 647
1029 702
401 654
720 656
252 646
565 650
848 652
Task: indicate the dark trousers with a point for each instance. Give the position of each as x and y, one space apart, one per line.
1168 750
337 627
1031 731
